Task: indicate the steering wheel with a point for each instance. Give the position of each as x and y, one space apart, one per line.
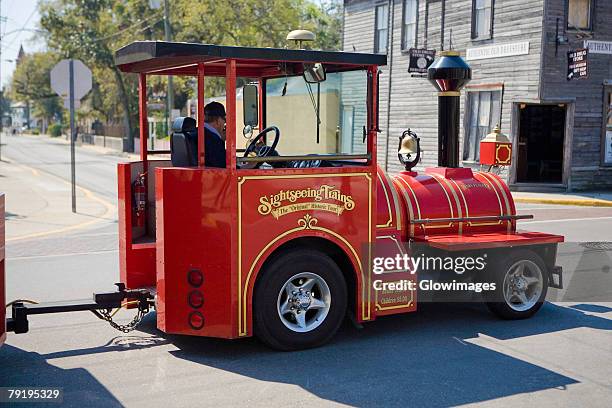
263 150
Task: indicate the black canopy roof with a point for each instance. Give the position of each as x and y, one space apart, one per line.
180 58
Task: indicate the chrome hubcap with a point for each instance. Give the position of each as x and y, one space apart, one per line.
523 285
303 302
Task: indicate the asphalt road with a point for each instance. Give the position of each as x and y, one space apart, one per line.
442 355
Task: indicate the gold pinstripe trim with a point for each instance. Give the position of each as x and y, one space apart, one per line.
396 207
390 221
441 179
242 292
497 183
401 181
450 205
486 179
383 308
398 212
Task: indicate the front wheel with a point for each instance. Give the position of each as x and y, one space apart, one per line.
521 284
300 300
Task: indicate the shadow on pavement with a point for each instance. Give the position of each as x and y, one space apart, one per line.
19 368
419 359
411 360
585 307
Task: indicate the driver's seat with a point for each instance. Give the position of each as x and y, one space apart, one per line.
184 143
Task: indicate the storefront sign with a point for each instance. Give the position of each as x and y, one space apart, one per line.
420 60
598 47
497 51
608 152
577 64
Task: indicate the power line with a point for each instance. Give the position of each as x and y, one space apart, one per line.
128 28
24 26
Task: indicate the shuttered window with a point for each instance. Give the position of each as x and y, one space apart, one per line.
579 14
409 28
482 113
482 19
381 29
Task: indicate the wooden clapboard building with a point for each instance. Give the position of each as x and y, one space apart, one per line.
561 129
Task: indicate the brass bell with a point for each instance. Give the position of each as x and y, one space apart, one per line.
409 150
408 145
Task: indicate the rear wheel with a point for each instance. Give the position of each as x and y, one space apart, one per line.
521 285
300 300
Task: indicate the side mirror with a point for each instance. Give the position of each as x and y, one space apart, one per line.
250 100
314 73
247 131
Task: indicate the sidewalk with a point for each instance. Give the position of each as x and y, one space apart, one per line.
589 199
92 147
38 204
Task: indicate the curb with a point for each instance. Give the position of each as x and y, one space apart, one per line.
563 201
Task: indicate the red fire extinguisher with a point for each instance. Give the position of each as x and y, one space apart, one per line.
140 200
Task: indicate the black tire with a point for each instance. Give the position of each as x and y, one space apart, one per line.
497 271
269 327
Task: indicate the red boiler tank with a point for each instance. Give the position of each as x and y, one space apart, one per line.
454 193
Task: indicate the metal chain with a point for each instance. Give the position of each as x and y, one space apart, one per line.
125 328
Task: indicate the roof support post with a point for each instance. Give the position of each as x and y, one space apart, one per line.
373 114
144 133
201 119
230 108
144 120
262 90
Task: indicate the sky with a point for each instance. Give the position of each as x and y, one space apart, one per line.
20 14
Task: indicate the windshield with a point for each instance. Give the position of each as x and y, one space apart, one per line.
339 102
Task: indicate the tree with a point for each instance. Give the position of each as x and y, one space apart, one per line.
91 30
254 23
325 20
31 84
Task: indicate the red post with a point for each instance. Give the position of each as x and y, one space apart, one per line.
262 85
201 148
144 122
373 127
230 108
144 132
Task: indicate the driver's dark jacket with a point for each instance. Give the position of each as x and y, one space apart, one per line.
214 149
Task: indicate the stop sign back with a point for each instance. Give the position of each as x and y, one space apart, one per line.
60 79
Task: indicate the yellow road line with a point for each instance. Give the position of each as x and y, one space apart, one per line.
563 201
109 207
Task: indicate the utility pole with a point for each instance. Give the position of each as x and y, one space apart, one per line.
170 97
72 133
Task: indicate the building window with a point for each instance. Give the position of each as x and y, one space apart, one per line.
482 19
482 113
381 29
579 14
409 28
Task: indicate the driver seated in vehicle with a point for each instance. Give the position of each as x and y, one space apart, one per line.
214 135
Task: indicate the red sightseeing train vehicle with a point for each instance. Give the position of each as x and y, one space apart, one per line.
280 243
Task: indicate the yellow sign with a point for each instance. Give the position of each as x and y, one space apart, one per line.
273 204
